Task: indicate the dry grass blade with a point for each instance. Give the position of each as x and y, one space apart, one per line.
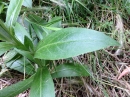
125 72
120 30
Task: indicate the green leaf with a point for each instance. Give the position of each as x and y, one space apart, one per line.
42 85
37 23
4 33
70 42
70 70
39 31
20 33
17 88
34 19
15 61
5 46
55 22
27 54
28 43
13 12
1 7
22 65
41 27
9 55
42 23
27 3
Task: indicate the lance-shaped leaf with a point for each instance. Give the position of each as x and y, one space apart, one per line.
13 12
20 33
28 43
5 46
70 70
34 19
1 7
4 33
17 88
42 85
42 23
70 42
27 54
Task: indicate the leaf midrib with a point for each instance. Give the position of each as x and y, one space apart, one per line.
21 88
45 46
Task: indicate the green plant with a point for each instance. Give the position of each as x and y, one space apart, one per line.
32 50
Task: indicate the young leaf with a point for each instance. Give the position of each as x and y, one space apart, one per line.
42 85
42 23
20 33
25 53
39 31
37 24
70 70
5 46
1 7
28 43
34 19
17 88
55 22
70 42
13 12
4 35
9 36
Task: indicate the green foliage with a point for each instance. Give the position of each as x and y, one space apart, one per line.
5 46
4 33
1 7
20 32
17 88
22 65
31 47
70 70
13 12
71 42
42 85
